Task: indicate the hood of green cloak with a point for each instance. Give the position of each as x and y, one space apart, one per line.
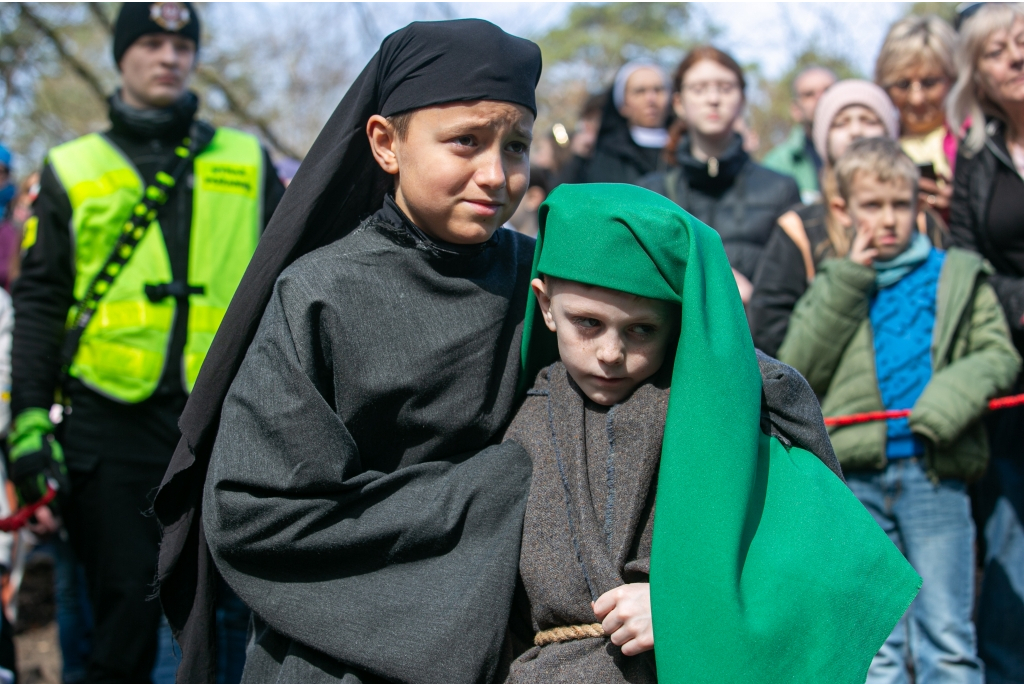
765 567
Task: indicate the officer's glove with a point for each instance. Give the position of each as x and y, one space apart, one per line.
36 456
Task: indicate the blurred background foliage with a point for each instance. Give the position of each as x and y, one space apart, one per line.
599 38
280 71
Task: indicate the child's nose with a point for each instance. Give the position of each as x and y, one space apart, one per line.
611 352
888 215
491 172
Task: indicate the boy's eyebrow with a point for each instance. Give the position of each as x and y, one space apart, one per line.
482 122
523 131
653 317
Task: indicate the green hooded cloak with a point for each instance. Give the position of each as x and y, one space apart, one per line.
765 567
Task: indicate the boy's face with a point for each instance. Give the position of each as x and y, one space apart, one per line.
609 341
461 169
883 210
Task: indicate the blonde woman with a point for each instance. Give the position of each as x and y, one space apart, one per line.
916 68
988 217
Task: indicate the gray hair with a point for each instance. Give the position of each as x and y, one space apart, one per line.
810 70
967 100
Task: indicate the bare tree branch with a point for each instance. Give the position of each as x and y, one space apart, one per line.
76 64
204 72
213 78
369 25
96 9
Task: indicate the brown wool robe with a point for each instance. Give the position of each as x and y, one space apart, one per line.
589 520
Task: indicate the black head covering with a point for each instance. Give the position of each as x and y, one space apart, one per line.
138 19
338 184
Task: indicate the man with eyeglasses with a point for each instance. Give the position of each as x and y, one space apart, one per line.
796 156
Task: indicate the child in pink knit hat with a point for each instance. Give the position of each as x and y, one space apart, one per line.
849 110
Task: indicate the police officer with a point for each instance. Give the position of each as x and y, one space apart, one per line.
140 236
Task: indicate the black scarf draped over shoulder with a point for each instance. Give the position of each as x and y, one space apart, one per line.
338 185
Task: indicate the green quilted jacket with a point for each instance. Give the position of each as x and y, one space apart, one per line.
973 360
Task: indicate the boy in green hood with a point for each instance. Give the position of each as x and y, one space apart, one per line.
761 565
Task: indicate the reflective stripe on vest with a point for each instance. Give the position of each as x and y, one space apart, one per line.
123 351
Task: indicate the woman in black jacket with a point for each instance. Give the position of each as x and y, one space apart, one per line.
987 215
716 180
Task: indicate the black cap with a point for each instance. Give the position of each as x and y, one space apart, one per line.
138 19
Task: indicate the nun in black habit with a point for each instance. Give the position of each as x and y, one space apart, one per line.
623 153
344 421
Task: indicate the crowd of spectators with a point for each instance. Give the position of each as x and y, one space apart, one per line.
797 228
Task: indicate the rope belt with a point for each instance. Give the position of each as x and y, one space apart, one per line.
567 633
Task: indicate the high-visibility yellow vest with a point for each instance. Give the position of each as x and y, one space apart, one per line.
123 350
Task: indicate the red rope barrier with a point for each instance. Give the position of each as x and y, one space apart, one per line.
19 518
851 419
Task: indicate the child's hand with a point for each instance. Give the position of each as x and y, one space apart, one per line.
625 615
861 251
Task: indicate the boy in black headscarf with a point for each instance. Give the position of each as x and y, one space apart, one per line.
352 500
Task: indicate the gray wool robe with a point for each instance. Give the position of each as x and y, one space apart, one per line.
590 513
589 520
352 500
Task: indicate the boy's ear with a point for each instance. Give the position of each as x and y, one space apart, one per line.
840 211
383 143
540 289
